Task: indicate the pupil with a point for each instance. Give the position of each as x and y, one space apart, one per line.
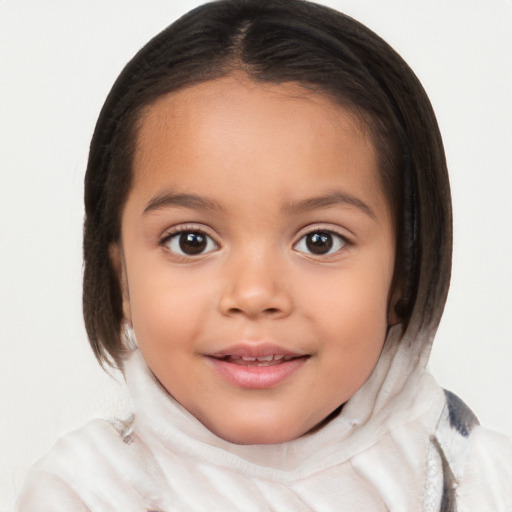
192 243
319 243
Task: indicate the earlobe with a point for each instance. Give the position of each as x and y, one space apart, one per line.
118 264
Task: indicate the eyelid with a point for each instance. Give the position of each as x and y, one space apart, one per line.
322 228
175 231
330 228
182 228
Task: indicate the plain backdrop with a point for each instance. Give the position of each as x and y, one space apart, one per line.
58 60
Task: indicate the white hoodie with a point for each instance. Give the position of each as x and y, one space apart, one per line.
400 443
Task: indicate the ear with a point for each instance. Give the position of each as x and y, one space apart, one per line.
118 263
394 299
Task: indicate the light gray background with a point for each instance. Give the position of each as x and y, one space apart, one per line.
58 60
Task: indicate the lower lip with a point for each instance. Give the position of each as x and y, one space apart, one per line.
257 377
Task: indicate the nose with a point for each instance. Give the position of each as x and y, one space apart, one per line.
255 286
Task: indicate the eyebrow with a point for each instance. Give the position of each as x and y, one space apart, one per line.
325 201
169 199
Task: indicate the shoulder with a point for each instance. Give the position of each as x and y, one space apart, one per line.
89 468
491 448
97 442
477 462
483 447
487 481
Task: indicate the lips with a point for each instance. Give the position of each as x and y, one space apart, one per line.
269 360
256 366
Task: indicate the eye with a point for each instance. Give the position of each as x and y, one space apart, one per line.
320 243
190 243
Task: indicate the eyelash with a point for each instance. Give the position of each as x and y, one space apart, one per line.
342 241
176 233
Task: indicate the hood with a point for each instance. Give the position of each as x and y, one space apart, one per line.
398 391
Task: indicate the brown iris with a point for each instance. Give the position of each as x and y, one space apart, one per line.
193 242
319 242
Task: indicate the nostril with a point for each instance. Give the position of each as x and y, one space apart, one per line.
266 311
254 302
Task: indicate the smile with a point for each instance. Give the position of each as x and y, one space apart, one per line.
256 367
270 360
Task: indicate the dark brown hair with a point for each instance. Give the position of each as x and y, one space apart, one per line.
278 41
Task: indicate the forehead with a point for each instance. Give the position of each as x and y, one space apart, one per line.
238 103
235 90
228 129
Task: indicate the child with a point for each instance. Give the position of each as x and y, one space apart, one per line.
267 255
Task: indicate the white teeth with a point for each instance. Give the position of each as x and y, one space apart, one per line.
261 360
265 358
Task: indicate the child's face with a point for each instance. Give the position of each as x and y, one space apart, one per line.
286 253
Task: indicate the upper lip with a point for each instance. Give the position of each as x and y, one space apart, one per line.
255 350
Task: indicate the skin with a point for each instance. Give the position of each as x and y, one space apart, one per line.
258 152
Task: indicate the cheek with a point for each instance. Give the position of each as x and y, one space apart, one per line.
168 307
355 296
357 332
350 314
